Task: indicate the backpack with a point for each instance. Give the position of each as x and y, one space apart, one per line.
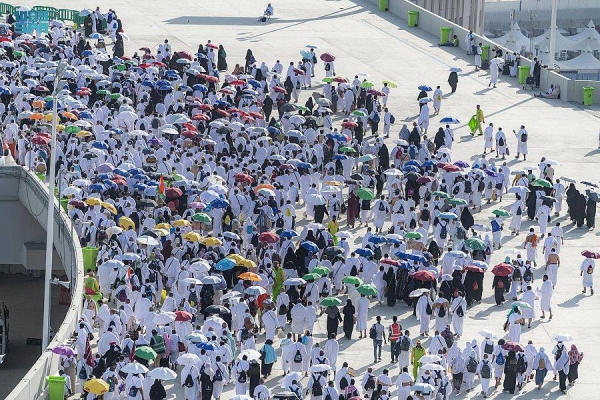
468 187
480 186
343 383
524 138
516 276
460 233
254 368
370 384
559 351
127 351
444 231
242 377
500 284
375 118
317 389
425 215
282 309
500 359
245 334
501 142
327 67
82 372
155 123
404 344
298 356
373 332
542 364
449 339
428 309
488 348
486 371
442 312
133 391
382 207
189 381
521 366
218 375
148 291
472 365
392 119
590 270
456 190
460 312
122 295
412 224
279 222
399 154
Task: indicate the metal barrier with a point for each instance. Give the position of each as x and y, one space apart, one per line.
52 12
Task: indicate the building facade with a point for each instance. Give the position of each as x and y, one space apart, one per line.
466 13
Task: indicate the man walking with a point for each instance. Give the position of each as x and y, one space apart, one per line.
377 333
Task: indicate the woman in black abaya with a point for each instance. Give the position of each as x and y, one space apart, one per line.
510 373
348 312
590 213
390 279
580 210
571 196
333 320
530 203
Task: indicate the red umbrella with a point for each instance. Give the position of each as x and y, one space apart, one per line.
41 88
473 268
389 261
442 164
205 107
451 168
247 118
227 90
200 117
235 110
590 254
188 133
209 78
158 64
513 346
189 126
279 89
243 178
299 71
268 237
40 140
376 92
5 39
287 166
502 269
183 54
77 203
340 79
349 124
183 316
144 66
223 113
144 49
425 276
238 83
327 57
173 192
212 46
255 114
424 180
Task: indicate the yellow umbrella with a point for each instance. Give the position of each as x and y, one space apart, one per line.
161 232
193 237
333 183
212 241
391 84
247 263
181 222
93 201
83 134
236 257
48 117
163 225
96 386
109 207
125 223
60 127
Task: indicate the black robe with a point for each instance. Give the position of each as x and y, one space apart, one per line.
580 210
384 157
349 312
390 280
510 374
590 213
466 218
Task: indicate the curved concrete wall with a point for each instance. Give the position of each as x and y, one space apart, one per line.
17 184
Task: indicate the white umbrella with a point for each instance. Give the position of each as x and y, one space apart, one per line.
164 374
210 280
199 266
113 230
481 228
393 172
294 282
241 397
286 382
255 290
148 241
319 368
71 191
164 318
297 119
488 334
188 359
401 142
562 337
191 281
250 353
344 234
134 368
518 190
446 277
568 179
430 358
431 367
424 388
196 337
128 116
418 292
315 199
230 295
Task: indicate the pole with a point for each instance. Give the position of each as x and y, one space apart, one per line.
51 201
553 27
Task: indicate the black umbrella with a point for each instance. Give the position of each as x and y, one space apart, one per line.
589 184
288 107
334 251
412 176
215 309
357 177
89 156
224 130
146 203
351 182
150 233
594 196
548 198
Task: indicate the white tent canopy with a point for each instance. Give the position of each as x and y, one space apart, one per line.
592 44
585 60
514 40
562 42
589 32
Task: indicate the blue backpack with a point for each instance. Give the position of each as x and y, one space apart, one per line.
375 118
500 359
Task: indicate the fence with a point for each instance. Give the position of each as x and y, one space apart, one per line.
64 15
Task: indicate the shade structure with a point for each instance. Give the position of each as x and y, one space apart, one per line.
514 40
585 60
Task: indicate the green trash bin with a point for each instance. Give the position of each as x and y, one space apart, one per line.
588 96
485 53
42 176
56 387
413 17
64 203
89 257
445 34
523 73
383 5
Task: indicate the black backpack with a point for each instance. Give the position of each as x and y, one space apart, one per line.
468 188
428 310
456 190
425 215
242 377
528 275
442 312
317 389
521 365
189 381
559 351
282 310
413 224
370 384
279 222
524 138
516 276
480 186
472 365
404 344
460 233
486 370
444 231
373 332
382 207
218 375
501 142
488 348
298 356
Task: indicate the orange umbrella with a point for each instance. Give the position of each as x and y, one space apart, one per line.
69 115
263 186
37 116
250 276
38 104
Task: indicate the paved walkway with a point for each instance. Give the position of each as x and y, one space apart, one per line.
365 40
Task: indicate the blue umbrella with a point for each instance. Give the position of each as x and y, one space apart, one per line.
200 87
110 183
164 88
254 83
247 96
304 165
225 264
288 233
109 175
171 72
412 162
428 163
449 120
274 130
4 90
425 88
147 83
86 53
310 246
205 346
163 82
141 177
415 257
365 252
394 241
222 103
448 215
100 145
491 173
377 239
121 172
116 131
97 186
136 171
462 164
340 157
340 137
403 255
219 203
85 115
202 56
140 187
410 168
152 183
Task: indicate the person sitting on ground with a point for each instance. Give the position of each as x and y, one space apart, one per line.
453 42
269 12
552 93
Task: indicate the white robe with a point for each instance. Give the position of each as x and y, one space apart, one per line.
546 292
362 314
588 279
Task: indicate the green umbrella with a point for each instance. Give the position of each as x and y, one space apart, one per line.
302 108
457 201
366 85
542 183
328 79
439 194
521 304
367 289
115 96
202 217
311 277
475 244
501 213
365 194
72 129
366 158
352 280
413 235
331 301
359 113
48 98
18 54
103 92
321 270
145 353
346 149
119 67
